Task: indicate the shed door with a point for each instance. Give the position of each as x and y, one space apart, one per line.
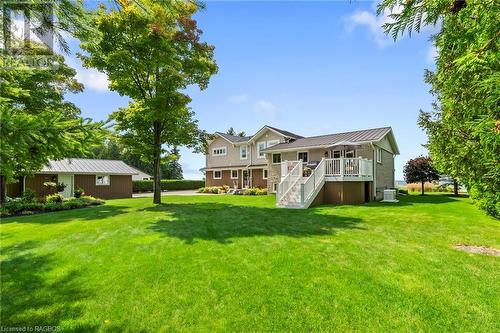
68 180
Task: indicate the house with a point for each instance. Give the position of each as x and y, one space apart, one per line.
341 168
240 162
141 175
105 179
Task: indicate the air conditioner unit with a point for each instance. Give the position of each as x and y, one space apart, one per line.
390 196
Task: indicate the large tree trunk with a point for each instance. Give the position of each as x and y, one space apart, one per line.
3 189
455 187
156 165
422 187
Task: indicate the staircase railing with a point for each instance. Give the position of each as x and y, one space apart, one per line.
289 181
313 181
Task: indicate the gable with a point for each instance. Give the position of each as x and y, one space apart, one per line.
268 135
388 143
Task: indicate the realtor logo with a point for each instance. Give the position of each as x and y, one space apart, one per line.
26 26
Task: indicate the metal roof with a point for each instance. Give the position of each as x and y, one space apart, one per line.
286 133
89 166
234 138
368 135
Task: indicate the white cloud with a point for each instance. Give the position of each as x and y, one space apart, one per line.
238 99
374 25
432 53
91 78
267 108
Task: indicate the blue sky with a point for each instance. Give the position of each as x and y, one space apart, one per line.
309 67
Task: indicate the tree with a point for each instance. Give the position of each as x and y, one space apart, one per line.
113 149
420 170
231 131
464 126
36 122
47 17
151 52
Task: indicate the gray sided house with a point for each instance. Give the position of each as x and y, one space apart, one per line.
341 168
105 179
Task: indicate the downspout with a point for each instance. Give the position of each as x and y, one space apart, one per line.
374 162
249 171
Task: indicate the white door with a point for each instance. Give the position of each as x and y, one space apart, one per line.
68 181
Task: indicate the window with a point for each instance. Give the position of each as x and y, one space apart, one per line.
260 147
378 153
275 187
276 158
349 153
217 174
234 174
303 155
219 151
102 180
265 173
272 142
243 152
336 154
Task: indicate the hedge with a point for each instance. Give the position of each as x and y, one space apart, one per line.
168 185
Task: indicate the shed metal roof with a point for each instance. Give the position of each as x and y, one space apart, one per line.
88 166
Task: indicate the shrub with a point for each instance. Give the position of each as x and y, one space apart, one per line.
60 187
255 191
167 185
28 195
56 197
34 206
91 201
74 203
13 206
214 189
79 192
53 206
403 191
17 206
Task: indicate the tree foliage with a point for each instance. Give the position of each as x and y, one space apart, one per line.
151 51
36 122
113 149
54 17
231 131
464 127
420 170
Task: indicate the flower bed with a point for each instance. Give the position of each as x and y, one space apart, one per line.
55 202
214 189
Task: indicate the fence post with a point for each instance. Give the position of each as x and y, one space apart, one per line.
301 194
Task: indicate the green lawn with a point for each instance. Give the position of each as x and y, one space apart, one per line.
233 263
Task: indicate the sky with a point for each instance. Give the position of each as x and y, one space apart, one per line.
311 68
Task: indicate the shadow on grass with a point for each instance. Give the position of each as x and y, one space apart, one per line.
221 222
30 297
87 213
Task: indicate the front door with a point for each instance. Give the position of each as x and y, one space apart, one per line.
68 181
246 178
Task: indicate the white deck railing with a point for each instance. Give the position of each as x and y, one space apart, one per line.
295 190
313 181
291 177
348 167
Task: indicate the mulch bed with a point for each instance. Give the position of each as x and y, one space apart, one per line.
479 249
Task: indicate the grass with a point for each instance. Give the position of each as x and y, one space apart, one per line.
233 263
